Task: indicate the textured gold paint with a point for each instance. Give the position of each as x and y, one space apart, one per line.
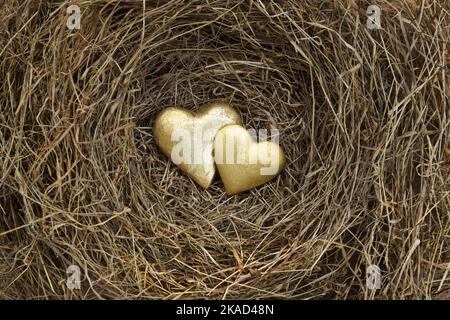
209 117
241 174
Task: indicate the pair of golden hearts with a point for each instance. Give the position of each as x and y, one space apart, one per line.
177 131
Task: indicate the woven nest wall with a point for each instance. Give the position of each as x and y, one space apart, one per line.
362 115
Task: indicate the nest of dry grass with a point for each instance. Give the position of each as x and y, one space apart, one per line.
363 118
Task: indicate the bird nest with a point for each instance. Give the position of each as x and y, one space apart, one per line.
362 116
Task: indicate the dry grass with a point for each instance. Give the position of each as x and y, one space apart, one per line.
364 121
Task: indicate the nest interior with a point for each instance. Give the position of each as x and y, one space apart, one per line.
362 117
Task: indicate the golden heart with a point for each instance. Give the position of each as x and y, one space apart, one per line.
187 138
244 164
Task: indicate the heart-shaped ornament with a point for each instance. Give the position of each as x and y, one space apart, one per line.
243 163
188 138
